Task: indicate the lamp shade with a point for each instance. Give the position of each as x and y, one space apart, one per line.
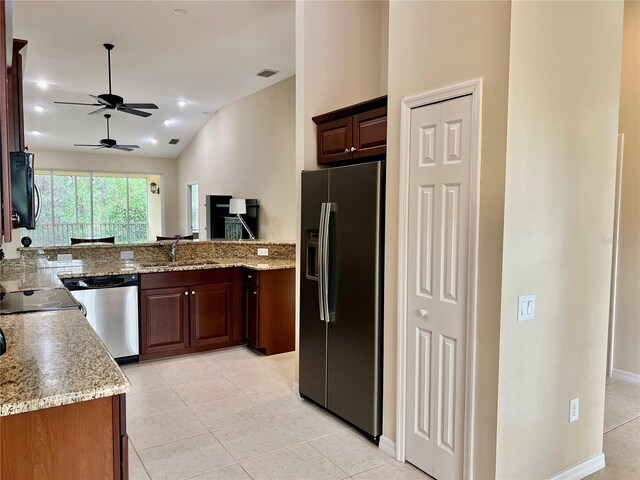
237 206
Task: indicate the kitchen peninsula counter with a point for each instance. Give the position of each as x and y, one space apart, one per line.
54 358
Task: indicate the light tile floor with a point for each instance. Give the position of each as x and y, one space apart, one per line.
621 432
231 415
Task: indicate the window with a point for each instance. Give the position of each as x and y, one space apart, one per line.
91 205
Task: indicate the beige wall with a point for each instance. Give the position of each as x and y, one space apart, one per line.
338 62
247 150
627 331
432 45
99 162
564 87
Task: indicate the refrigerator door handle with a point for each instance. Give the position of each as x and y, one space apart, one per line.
325 260
321 262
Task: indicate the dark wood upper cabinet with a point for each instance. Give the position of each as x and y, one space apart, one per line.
15 99
335 140
370 133
357 132
5 167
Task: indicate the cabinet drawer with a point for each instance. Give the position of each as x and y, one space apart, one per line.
251 277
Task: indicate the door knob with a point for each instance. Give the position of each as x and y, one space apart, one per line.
422 312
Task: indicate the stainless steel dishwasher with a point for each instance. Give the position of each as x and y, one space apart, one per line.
112 310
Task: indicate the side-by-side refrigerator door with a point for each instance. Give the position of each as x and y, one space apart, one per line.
354 358
313 328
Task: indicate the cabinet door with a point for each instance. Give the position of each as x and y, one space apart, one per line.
5 169
370 133
164 313
335 140
251 313
210 314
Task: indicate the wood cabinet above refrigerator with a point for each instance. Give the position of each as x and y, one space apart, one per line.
352 134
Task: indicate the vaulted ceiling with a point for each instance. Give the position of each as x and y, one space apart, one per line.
207 58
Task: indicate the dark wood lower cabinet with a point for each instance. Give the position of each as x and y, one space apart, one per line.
79 440
165 314
269 310
190 311
210 314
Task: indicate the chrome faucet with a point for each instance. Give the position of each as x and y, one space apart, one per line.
170 248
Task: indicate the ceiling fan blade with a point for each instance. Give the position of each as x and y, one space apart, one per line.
124 148
97 111
76 103
101 147
85 145
150 106
129 146
139 113
100 100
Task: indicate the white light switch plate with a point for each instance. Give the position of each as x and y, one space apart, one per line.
64 257
526 307
263 252
126 255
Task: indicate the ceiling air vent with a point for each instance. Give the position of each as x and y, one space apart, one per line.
174 141
266 73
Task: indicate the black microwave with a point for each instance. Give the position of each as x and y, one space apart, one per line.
24 192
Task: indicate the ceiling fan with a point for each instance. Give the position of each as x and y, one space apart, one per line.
108 142
114 102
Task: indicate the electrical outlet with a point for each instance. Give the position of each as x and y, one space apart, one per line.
574 410
526 307
263 252
126 255
64 257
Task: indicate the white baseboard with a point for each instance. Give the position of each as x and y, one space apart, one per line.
582 470
387 445
626 376
296 388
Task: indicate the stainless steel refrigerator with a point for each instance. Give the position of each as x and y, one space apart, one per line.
341 279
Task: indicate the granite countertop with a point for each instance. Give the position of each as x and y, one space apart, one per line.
49 274
53 359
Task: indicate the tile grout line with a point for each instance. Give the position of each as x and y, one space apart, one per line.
621 425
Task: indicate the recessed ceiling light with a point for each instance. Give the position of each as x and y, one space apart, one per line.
167 123
39 108
182 103
153 141
37 132
180 11
43 85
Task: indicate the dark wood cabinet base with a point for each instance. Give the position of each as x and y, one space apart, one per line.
79 440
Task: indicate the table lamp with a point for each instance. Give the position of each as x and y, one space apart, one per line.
238 207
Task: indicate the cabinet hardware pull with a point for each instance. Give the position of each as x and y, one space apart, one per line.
249 276
255 293
353 149
346 150
193 292
186 293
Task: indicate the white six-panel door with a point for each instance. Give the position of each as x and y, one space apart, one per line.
437 270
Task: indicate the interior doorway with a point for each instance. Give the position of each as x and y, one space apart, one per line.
193 210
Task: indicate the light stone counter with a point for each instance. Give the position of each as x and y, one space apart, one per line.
53 359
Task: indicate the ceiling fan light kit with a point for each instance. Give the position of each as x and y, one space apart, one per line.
110 101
